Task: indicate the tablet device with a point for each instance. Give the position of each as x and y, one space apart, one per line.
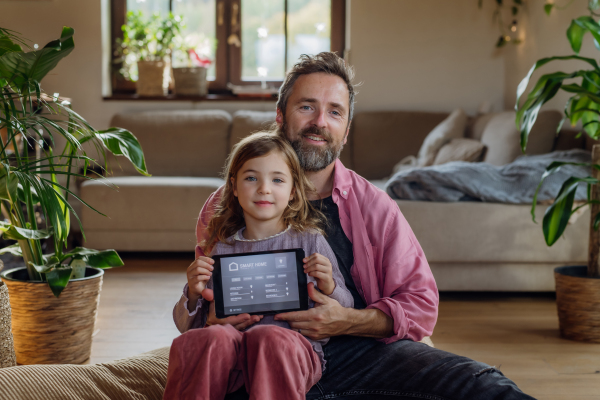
264 282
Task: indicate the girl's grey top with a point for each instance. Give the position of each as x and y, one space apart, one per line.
310 241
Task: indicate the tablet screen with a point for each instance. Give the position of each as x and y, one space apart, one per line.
261 282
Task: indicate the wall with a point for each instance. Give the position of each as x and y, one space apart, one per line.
425 55
545 36
79 76
414 55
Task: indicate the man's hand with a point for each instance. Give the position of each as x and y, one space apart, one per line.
239 322
319 267
326 319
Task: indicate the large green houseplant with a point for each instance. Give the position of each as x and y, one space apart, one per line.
41 155
577 288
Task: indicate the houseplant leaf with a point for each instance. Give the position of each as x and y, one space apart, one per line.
22 196
8 183
12 232
96 258
58 278
575 36
14 249
20 68
557 215
122 142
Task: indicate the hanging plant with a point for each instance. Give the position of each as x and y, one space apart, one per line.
504 8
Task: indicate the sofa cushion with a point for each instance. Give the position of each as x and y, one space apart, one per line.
165 206
381 139
503 142
246 122
474 232
177 143
452 127
139 377
461 149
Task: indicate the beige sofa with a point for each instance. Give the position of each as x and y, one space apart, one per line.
470 246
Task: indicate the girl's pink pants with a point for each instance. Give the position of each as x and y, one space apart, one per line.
273 363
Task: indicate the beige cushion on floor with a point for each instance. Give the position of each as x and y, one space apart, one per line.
503 142
460 150
246 122
177 143
140 377
452 127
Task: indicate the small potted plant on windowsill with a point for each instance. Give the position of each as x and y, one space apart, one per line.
191 61
577 287
52 322
145 51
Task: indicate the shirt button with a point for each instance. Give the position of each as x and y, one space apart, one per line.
345 193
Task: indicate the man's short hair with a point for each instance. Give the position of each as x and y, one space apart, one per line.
327 62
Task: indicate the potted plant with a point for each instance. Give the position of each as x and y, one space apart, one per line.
190 64
145 51
36 174
577 287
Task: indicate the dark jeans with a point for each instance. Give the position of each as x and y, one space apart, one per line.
365 369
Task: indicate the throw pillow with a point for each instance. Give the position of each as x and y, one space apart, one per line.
460 150
476 125
503 139
452 127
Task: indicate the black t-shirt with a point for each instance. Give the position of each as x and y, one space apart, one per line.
340 244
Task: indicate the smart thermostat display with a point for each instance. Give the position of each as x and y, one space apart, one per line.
260 283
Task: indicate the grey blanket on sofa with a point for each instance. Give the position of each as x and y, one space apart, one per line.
512 183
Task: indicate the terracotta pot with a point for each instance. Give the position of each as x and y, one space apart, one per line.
50 330
153 78
7 349
190 81
578 303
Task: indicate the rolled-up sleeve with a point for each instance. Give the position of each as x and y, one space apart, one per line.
410 296
186 320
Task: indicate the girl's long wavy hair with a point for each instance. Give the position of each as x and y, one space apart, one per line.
229 216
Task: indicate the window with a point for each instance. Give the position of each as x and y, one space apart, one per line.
255 41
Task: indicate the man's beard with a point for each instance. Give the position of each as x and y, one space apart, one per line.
314 158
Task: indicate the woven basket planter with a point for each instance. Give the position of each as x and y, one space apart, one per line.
153 78
7 350
50 330
578 303
190 81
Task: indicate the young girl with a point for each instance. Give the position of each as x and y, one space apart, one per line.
263 207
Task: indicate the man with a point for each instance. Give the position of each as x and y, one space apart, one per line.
374 351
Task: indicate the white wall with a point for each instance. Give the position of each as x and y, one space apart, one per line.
414 55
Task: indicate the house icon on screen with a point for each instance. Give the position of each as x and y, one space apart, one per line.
233 266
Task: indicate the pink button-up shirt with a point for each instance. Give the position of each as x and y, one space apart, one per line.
390 270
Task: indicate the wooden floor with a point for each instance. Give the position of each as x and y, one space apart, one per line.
518 334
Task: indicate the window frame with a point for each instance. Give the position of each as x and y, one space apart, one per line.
228 57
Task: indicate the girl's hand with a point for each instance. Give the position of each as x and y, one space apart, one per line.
239 322
198 274
319 267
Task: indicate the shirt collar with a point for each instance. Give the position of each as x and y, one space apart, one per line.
342 179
